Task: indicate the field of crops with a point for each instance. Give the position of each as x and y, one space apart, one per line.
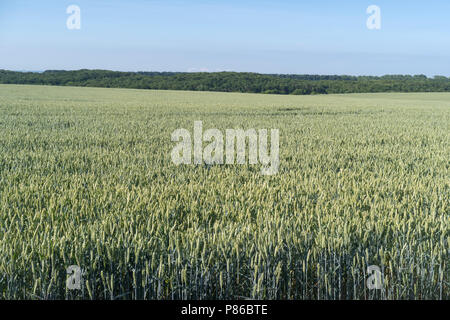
86 179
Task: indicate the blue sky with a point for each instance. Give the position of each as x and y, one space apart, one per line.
266 36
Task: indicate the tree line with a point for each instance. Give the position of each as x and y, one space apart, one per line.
231 81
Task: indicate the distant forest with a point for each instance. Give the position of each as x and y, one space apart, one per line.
231 81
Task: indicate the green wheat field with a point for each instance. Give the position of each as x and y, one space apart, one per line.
86 179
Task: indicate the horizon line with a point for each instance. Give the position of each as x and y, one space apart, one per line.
231 71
